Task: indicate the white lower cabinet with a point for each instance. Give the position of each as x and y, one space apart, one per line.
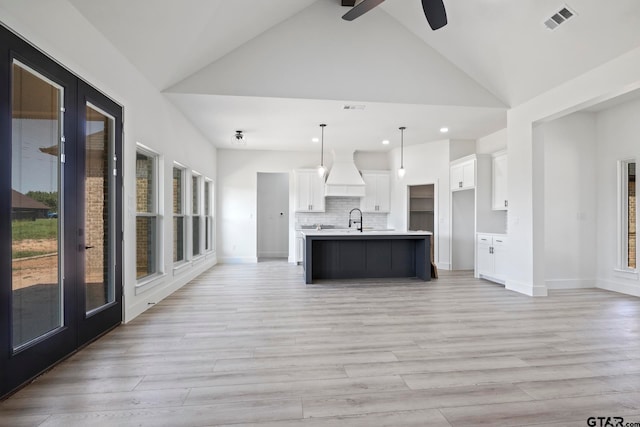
491 257
299 247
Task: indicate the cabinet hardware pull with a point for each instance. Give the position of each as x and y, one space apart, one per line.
506 204
460 184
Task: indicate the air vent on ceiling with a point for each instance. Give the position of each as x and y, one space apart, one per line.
352 107
560 17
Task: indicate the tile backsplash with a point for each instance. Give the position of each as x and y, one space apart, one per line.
337 214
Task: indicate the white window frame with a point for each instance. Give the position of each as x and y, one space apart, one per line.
210 218
623 220
182 214
158 204
196 215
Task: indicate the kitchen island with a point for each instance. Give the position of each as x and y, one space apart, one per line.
351 254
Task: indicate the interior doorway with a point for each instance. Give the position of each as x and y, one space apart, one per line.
421 212
273 216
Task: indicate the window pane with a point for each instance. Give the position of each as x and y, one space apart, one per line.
631 215
100 286
195 194
144 183
177 191
207 233
178 238
145 246
196 235
35 202
207 198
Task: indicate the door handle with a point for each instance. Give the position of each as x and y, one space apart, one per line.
88 247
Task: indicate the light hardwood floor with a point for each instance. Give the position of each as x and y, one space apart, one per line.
252 345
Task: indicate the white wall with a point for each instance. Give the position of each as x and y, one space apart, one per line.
618 134
570 200
526 179
61 32
489 144
237 197
426 163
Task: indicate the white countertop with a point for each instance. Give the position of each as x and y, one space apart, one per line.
354 232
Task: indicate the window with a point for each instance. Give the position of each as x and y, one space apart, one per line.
178 214
196 214
208 215
628 217
147 218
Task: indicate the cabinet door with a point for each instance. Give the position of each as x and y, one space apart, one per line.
383 190
499 173
485 257
368 202
499 258
469 174
317 193
303 191
299 248
457 180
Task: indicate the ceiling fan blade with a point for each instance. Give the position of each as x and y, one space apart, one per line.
435 13
360 9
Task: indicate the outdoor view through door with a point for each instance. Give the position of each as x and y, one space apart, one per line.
99 209
35 204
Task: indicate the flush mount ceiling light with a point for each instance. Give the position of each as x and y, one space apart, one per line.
321 169
402 170
315 139
444 130
385 142
239 139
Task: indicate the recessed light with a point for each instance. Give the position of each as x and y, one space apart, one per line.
315 139
444 130
385 142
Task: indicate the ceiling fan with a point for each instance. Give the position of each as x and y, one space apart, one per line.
433 10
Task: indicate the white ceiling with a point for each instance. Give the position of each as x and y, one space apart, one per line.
276 69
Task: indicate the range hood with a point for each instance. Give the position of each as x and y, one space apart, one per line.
344 180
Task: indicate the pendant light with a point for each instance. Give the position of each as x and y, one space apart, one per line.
321 169
402 170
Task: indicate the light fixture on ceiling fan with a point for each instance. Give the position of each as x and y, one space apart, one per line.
433 10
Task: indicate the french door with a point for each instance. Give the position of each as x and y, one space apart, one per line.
60 205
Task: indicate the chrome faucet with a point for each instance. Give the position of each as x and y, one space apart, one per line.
354 221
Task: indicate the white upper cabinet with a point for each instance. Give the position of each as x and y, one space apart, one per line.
463 174
309 191
377 189
499 182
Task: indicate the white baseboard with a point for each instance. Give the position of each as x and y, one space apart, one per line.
570 283
526 288
443 265
273 254
623 288
238 260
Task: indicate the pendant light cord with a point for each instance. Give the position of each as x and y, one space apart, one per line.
402 128
322 126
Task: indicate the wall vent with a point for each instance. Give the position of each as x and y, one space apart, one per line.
352 107
560 17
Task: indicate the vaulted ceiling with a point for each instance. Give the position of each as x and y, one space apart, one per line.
276 69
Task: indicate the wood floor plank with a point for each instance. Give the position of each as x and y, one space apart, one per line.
252 345
565 410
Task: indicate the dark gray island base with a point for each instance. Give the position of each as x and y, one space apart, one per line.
366 255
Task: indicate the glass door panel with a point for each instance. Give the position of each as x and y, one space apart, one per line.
98 209
36 204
